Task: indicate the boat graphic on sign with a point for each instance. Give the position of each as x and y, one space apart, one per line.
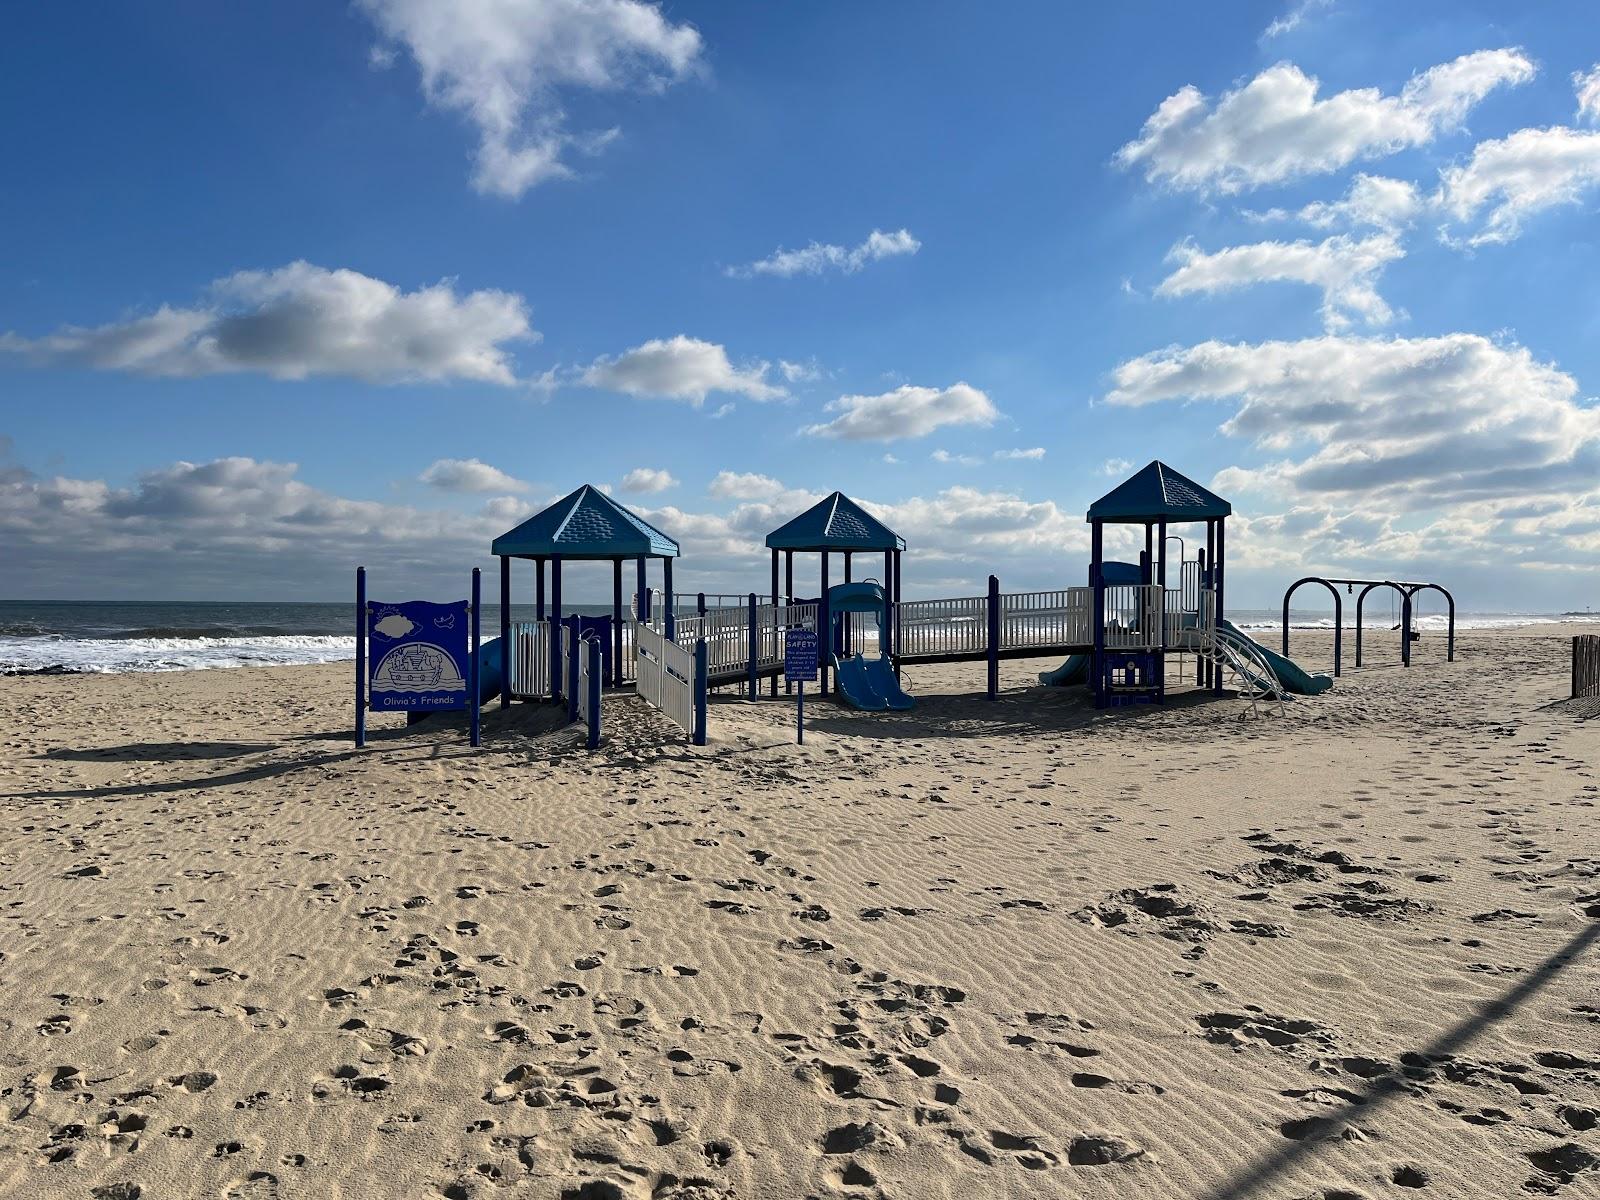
417 667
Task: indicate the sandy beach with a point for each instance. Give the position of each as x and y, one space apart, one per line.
1006 949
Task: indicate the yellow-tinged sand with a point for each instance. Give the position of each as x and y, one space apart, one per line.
1012 949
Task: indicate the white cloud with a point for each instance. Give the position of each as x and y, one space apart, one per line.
680 368
1374 201
1517 176
1294 18
733 485
794 372
906 412
891 460
1275 128
1346 270
1587 86
502 63
960 460
1115 466
1032 453
300 321
469 475
1411 423
648 480
818 257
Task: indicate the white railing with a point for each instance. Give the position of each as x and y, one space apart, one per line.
689 602
1058 618
666 676
1189 585
957 626
1193 628
528 658
1133 619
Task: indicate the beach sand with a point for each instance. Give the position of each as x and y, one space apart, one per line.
1005 949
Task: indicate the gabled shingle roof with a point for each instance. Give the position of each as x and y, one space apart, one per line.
1158 493
586 524
835 523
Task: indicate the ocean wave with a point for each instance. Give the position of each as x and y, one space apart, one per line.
119 655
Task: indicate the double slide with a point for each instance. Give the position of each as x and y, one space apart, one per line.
869 683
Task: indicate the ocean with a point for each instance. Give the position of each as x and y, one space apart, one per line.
63 637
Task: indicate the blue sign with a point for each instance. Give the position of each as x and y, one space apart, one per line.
800 656
419 656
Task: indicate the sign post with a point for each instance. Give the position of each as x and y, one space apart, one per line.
800 666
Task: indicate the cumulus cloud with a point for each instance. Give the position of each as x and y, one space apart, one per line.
648 480
906 412
1345 269
818 257
1115 466
1371 201
469 475
1031 453
1411 422
680 368
960 460
300 321
502 64
1587 86
735 485
795 372
1518 176
1275 127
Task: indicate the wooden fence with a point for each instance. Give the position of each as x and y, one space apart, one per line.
1585 666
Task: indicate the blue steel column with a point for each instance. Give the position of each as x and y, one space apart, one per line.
361 657
777 642
642 592
669 614
616 622
753 688
538 589
824 630
555 627
897 555
886 641
506 657
475 693
1098 616
1219 567
993 637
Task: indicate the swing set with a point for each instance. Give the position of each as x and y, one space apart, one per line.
1403 607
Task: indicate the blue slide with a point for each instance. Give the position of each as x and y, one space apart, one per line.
880 674
1294 680
1072 672
489 670
855 685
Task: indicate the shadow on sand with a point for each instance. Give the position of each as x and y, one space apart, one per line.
1415 1066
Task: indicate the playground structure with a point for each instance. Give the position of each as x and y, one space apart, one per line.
1117 633
1407 593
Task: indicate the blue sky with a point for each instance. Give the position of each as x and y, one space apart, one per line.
293 286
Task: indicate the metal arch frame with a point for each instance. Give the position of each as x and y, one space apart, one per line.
1338 619
1405 618
1450 601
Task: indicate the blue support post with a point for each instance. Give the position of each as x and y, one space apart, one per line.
1218 558
701 670
668 602
593 715
700 604
754 689
555 628
897 599
476 666
361 657
642 594
616 623
538 589
505 631
824 631
994 637
777 644
1199 662
1405 629
1097 658
574 648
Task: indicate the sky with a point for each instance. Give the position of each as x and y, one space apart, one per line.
287 288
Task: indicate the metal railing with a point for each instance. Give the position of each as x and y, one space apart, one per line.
1055 618
957 626
1133 619
529 660
689 602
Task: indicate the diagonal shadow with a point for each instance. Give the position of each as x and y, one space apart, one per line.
1389 1086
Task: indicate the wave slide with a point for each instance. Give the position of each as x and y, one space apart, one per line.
1292 678
869 684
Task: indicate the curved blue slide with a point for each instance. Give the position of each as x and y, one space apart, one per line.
880 674
855 685
1072 672
1294 680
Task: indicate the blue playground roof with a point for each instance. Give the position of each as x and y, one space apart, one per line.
836 523
586 524
1158 493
